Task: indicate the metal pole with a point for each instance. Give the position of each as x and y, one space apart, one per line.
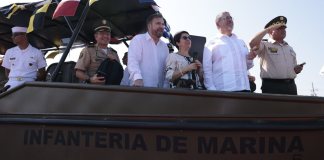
72 39
67 20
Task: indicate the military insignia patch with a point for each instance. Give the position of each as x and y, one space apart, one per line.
273 49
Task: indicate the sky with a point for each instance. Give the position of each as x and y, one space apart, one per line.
304 33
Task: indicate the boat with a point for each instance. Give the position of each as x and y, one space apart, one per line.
60 120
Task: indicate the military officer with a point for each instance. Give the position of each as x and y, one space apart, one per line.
24 62
92 56
277 59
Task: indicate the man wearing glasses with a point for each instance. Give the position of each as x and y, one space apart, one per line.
24 62
225 60
92 56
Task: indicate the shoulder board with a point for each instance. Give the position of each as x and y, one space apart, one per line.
91 45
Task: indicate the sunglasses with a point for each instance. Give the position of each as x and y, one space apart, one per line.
186 37
18 34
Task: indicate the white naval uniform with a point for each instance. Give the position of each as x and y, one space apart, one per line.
23 64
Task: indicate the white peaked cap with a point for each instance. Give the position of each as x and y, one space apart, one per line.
18 29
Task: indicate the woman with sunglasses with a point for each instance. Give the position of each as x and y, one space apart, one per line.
182 70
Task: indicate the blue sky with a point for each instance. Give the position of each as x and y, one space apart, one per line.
304 33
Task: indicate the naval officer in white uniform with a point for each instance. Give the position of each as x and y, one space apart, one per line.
24 62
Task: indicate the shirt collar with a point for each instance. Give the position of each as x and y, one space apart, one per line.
224 36
25 50
148 37
275 42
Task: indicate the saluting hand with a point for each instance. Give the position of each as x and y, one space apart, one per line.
275 26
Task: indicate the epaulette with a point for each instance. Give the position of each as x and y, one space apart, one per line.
91 45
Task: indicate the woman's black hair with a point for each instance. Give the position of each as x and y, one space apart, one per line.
177 37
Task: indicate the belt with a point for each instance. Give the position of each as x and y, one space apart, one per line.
278 80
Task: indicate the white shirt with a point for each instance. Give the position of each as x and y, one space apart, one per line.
23 63
225 64
146 60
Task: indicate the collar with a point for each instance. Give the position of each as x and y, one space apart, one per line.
97 48
275 42
24 50
148 37
221 36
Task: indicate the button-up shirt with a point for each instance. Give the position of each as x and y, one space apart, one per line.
146 60
225 64
24 63
91 58
277 61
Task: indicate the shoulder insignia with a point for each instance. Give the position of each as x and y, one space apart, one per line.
91 45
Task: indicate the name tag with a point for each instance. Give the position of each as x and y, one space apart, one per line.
273 49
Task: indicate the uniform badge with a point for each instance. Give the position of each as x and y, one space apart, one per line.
273 49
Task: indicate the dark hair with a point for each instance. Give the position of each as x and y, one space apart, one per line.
151 17
177 37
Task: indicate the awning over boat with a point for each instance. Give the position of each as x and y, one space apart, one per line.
126 18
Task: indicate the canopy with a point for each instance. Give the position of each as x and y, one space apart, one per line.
126 18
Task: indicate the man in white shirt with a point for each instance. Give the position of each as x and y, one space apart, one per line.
147 55
225 59
24 62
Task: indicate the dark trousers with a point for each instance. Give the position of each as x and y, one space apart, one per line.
279 86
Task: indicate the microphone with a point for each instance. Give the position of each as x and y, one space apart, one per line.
194 72
195 55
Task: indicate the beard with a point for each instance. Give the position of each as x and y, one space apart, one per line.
158 32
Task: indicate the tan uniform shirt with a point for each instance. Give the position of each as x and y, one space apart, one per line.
91 58
277 61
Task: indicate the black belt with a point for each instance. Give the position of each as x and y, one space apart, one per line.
278 80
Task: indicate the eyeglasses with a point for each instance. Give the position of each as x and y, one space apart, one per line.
186 37
18 34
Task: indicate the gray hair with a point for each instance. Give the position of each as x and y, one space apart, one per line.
219 17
